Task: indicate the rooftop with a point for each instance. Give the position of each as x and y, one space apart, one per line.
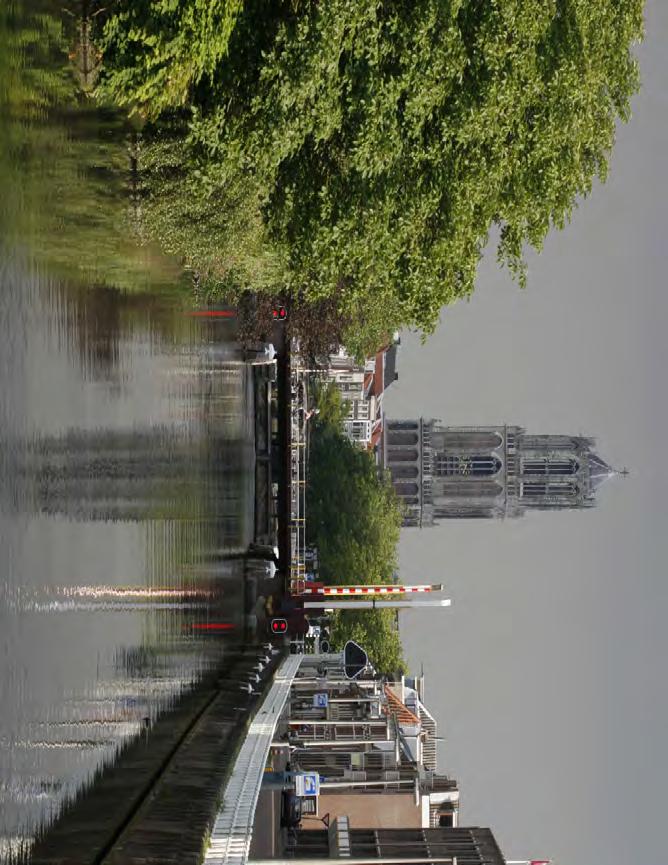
397 708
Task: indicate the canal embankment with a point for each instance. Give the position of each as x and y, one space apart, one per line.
158 801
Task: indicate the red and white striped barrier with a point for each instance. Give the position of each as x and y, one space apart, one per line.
387 589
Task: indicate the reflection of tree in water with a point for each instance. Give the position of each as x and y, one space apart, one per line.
66 164
129 475
69 180
140 662
97 319
163 661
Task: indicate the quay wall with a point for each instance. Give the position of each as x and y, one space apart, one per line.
158 800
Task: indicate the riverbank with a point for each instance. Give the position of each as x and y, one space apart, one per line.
157 802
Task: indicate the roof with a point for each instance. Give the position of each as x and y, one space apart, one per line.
368 381
396 707
599 471
376 436
390 371
378 374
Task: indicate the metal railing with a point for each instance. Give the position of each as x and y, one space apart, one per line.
298 466
233 829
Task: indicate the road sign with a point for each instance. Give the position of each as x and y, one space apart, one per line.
307 784
320 701
355 659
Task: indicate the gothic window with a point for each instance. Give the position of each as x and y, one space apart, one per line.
402 438
404 471
467 440
534 489
405 489
563 467
402 425
546 466
402 456
462 466
470 488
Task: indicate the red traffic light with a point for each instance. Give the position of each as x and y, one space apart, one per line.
279 626
279 313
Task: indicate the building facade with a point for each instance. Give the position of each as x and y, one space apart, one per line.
442 472
457 846
373 743
362 387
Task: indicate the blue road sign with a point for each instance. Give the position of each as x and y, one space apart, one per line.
307 784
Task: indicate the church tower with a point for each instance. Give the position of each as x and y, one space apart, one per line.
441 472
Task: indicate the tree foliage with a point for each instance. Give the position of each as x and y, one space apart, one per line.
332 407
377 632
379 143
164 48
354 518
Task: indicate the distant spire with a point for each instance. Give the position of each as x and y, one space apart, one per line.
599 471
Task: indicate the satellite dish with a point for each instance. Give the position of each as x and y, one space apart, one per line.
355 659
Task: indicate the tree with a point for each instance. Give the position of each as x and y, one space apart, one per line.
332 407
354 518
377 632
164 49
381 142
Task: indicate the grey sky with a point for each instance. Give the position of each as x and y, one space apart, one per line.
548 674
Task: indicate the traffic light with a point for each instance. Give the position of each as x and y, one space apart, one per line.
279 313
279 626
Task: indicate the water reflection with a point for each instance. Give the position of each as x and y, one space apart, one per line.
126 447
120 482
126 474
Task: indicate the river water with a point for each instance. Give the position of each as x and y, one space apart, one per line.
126 447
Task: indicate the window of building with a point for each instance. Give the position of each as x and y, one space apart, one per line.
534 489
477 466
399 438
404 488
358 430
546 466
403 470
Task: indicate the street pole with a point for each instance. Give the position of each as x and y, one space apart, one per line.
372 604
343 785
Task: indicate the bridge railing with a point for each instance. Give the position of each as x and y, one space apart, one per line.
233 829
299 410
